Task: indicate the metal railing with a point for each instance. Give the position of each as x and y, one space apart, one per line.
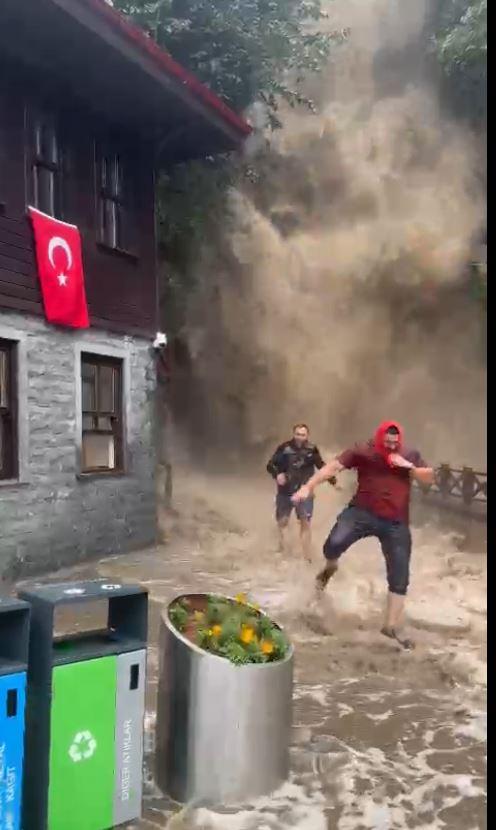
462 490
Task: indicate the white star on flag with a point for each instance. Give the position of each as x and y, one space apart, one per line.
62 278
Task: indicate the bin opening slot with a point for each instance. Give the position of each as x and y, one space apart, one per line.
80 618
12 703
134 678
81 626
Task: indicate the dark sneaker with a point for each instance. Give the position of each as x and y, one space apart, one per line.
405 643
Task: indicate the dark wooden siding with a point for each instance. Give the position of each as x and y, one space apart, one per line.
121 290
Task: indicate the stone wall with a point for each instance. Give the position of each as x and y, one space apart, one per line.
52 516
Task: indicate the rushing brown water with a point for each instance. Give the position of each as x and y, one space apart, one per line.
382 739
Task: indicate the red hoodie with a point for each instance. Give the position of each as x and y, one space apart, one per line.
380 434
382 490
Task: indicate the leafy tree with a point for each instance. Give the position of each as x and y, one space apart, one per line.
249 52
461 44
245 50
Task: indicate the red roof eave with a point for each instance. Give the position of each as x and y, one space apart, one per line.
147 45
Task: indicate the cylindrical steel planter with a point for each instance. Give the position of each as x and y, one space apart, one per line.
223 731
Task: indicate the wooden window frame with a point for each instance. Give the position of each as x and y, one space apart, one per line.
9 446
116 417
112 201
51 164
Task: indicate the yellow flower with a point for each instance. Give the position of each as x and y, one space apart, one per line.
199 616
241 598
267 647
247 634
216 630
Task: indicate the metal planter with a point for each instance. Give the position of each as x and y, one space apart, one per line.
223 731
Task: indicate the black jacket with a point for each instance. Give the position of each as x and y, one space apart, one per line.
297 463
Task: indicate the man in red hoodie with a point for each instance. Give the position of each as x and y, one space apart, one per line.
379 508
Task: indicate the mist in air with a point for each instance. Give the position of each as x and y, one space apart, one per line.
339 294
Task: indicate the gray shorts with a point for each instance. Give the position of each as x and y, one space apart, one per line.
284 507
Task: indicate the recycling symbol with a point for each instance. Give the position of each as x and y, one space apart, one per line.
83 747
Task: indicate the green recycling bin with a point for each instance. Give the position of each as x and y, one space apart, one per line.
86 698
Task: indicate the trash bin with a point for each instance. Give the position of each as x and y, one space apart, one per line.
223 730
86 695
14 638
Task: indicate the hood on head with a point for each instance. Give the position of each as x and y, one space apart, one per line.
381 432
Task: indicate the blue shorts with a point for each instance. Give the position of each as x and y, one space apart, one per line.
284 507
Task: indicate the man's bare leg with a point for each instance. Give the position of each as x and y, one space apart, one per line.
395 606
306 539
282 526
326 574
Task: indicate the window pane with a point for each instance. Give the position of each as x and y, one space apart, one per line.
106 396
88 373
110 223
116 177
4 378
8 437
46 143
44 189
98 451
104 174
101 415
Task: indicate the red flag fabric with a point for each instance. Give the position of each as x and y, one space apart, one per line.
60 269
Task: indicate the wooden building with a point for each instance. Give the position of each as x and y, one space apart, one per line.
90 110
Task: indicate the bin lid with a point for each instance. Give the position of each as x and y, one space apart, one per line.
14 634
9 604
65 592
12 667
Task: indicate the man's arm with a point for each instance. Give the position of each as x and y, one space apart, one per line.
274 462
325 473
320 463
418 469
424 475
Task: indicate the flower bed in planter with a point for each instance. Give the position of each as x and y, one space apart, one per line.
232 628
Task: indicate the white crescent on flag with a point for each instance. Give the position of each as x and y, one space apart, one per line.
58 242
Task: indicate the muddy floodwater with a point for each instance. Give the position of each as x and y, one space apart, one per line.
382 739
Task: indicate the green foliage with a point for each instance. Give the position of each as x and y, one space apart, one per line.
479 284
217 609
245 50
248 52
178 615
235 630
461 43
235 652
280 644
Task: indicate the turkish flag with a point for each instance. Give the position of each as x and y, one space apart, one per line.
60 269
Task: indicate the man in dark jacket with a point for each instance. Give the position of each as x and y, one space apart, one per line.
291 466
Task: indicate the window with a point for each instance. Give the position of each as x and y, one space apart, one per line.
112 203
46 169
8 432
101 379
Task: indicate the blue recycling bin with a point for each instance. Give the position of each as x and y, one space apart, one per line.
14 641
